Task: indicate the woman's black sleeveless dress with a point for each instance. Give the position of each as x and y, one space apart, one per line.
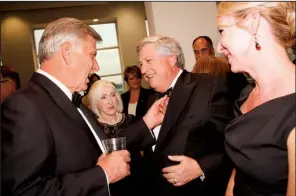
256 142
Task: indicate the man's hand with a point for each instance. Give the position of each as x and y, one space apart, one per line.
180 174
115 165
156 113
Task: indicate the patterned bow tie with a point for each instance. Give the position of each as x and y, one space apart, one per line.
168 93
76 99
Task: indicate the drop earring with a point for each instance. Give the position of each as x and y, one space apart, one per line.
257 45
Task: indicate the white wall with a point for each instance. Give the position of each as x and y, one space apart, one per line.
183 21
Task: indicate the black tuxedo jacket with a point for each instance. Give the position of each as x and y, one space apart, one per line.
47 147
142 102
199 108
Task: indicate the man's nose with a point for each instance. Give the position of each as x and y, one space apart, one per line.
96 66
143 69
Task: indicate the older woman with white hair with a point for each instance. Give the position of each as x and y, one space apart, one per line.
105 101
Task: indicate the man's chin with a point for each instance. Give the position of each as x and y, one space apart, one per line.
81 89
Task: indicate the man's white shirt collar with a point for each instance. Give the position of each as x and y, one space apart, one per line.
57 82
157 129
176 78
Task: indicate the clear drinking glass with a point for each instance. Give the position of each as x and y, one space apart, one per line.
114 144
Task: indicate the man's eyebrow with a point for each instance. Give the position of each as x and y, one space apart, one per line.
201 49
147 57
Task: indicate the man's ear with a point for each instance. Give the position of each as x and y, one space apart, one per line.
173 60
251 22
66 50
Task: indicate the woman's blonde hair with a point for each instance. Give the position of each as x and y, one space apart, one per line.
280 16
96 90
211 64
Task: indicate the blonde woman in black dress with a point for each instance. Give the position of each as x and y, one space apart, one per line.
261 140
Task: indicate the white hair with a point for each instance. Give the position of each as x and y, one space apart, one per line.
95 92
165 46
60 31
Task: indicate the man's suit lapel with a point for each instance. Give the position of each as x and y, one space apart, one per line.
63 102
93 122
178 99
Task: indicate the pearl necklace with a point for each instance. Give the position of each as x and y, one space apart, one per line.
118 118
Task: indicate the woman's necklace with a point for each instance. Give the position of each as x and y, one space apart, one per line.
118 118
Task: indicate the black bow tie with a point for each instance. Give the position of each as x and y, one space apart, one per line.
168 93
76 99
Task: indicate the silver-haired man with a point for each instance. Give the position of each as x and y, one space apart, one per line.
189 154
51 144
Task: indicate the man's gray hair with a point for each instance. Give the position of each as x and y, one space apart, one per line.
165 46
60 31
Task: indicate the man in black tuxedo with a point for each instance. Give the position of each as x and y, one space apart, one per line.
49 145
188 158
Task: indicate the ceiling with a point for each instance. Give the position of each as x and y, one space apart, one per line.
21 5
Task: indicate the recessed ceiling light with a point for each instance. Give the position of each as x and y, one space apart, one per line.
95 20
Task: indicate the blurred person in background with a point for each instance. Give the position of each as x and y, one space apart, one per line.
220 66
10 81
211 64
203 47
135 100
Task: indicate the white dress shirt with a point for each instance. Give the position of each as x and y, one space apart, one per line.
157 129
132 107
69 95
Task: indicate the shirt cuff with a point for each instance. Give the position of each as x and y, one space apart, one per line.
107 181
106 176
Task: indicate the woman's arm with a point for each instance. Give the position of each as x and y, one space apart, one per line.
291 163
229 190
